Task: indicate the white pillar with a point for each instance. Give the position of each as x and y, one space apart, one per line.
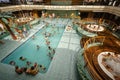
114 3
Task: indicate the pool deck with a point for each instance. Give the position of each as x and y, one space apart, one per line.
62 67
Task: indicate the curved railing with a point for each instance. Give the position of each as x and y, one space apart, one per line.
109 25
97 39
86 33
91 70
108 9
91 48
101 21
84 67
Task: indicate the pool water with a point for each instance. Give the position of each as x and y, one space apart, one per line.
29 50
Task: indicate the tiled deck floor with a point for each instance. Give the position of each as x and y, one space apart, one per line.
62 67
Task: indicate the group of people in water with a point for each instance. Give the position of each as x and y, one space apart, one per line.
47 35
51 52
33 68
30 68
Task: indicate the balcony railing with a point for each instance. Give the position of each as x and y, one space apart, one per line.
108 9
64 2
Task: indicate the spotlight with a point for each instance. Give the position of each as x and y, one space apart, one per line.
78 13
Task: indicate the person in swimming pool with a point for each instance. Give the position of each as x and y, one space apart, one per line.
22 58
28 63
42 67
18 70
38 47
33 70
12 63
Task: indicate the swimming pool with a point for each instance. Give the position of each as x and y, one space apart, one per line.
29 50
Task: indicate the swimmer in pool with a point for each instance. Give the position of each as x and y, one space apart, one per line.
38 47
22 58
12 63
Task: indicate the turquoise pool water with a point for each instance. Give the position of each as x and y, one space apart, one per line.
29 50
